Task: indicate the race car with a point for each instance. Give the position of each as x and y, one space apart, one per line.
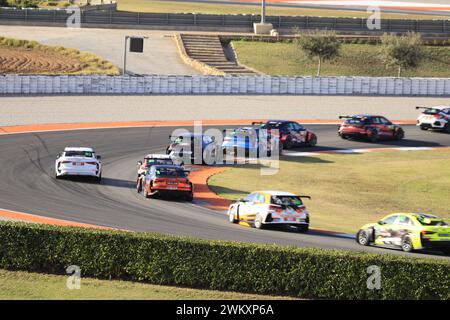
437 118
262 209
195 148
77 161
250 141
371 127
291 134
408 231
167 180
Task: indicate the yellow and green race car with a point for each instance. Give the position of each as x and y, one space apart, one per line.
408 231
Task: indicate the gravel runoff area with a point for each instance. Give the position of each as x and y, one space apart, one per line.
75 109
160 52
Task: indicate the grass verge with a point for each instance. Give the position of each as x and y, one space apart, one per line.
25 57
27 285
189 7
351 190
283 58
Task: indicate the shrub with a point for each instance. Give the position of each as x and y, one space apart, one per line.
219 265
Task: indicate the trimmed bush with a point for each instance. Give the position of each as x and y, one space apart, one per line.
219 265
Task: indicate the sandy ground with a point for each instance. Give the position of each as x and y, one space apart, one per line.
73 109
160 53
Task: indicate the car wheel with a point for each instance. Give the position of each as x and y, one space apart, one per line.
399 134
423 128
303 228
232 215
343 136
312 143
259 222
189 197
447 127
362 237
99 178
373 136
288 143
407 245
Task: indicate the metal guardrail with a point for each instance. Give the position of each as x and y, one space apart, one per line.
105 18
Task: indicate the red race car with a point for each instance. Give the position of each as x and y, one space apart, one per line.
167 180
292 134
373 128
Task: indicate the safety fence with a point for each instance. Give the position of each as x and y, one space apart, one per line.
266 85
123 19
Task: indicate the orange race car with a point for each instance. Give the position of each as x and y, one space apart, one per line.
168 180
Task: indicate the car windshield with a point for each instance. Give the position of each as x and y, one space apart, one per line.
357 121
431 221
86 154
431 111
240 133
170 172
286 200
152 162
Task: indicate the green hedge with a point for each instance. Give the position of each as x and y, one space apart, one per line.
220 265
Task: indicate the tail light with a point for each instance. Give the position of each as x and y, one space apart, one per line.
427 233
277 209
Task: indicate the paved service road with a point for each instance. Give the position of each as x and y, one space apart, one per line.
74 109
27 184
160 52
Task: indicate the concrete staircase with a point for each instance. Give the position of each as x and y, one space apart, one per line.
208 49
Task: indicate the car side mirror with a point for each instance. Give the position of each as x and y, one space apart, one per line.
58 156
241 200
139 163
99 157
213 138
380 223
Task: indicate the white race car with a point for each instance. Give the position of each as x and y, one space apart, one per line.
437 118
76 161
264 208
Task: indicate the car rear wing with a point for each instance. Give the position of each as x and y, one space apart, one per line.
346 117
305 197
423 108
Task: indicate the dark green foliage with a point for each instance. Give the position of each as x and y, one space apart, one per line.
264 269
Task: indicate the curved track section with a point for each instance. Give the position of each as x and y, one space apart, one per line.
27 184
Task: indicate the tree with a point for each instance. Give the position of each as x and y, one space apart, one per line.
321 45
404 52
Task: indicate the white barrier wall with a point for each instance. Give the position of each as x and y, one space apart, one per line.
23 85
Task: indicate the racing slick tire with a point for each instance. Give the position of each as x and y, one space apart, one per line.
407 244
447 128
399 134
363 238
424 128
288 144
373 137
258 222
302 228
189 197
99 178
312 143
343 136
232 216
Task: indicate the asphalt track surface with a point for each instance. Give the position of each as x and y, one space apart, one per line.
27 184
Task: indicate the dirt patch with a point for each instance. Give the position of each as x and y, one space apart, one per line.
29 61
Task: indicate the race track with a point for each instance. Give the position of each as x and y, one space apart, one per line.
27 184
